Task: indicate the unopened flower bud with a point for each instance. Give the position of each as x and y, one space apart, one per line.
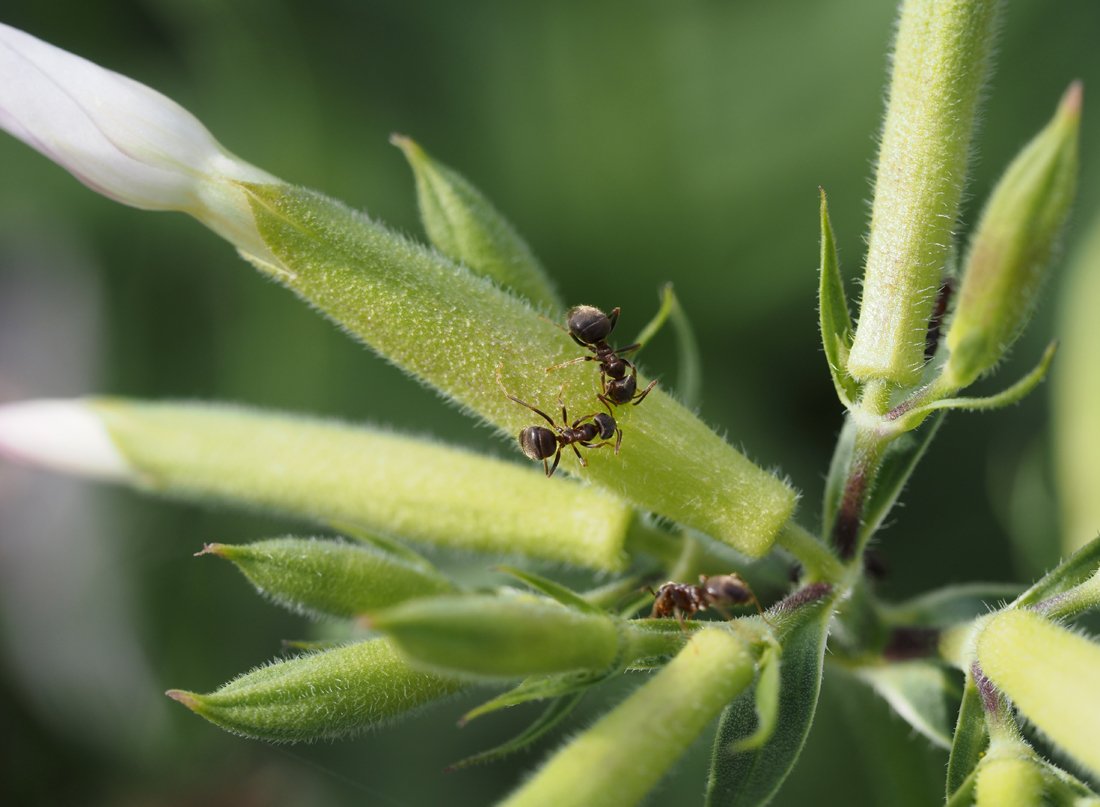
500 637
1015 243
330 577
320 695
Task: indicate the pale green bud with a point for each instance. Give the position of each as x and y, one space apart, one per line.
1009 781
1014 245
329 577
320 695
500 637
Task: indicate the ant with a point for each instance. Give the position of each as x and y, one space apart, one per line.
589 327
685 600
541 443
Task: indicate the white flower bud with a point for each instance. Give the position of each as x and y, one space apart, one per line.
61 435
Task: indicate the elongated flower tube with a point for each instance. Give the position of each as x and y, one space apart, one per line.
445 325
121 138
941 59
326 471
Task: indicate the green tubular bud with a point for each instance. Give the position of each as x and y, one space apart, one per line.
460 333
627 752
380 481
465 226
941 59
322 695
500 637
1051 675
1009 781
1014 245
329 577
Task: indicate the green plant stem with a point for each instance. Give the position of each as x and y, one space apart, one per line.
818 561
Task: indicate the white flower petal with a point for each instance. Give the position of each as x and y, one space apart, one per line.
114 134
64 435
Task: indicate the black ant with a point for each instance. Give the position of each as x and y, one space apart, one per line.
541 443
589 327
685 600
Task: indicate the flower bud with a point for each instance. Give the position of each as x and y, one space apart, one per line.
1052 676
320 695
123 139
1014 244
463 225
329 577
1009 781
500 637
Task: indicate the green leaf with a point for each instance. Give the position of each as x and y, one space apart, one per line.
379 482
839 466
460 333
621 758
766 696
327 694
835 319
689 364
463 225
555 591
558 710
922 692
970 739
753 777
320 577
951 605
1071 572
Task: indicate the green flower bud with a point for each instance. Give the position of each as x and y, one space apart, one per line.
940 63
329 577
1014 244
464 226
624 755
320 695
500 637
1052 676
1009 781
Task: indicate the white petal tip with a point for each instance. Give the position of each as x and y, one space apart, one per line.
64 435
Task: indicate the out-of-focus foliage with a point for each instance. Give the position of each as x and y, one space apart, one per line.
683 142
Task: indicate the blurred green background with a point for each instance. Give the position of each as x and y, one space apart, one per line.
631 144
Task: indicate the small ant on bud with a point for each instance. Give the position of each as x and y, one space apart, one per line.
589 327
684 600
541 443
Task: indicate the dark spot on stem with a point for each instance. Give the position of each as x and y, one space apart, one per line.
804 596
846 526
935 323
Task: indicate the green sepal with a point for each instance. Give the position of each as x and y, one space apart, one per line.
951 605
559 709
922 693
969 741
555 591
466 227
324 577
538 688
835 320
689 364
483 636
766 698
753 777
1071 572
323 695
911 418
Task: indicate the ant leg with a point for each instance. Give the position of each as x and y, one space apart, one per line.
583 461
628 349
613 318
577 360
618 439
554 467
641 396
512 397
546 467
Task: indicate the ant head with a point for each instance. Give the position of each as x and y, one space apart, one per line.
621 390
589 324
606 424
538 442
727 588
